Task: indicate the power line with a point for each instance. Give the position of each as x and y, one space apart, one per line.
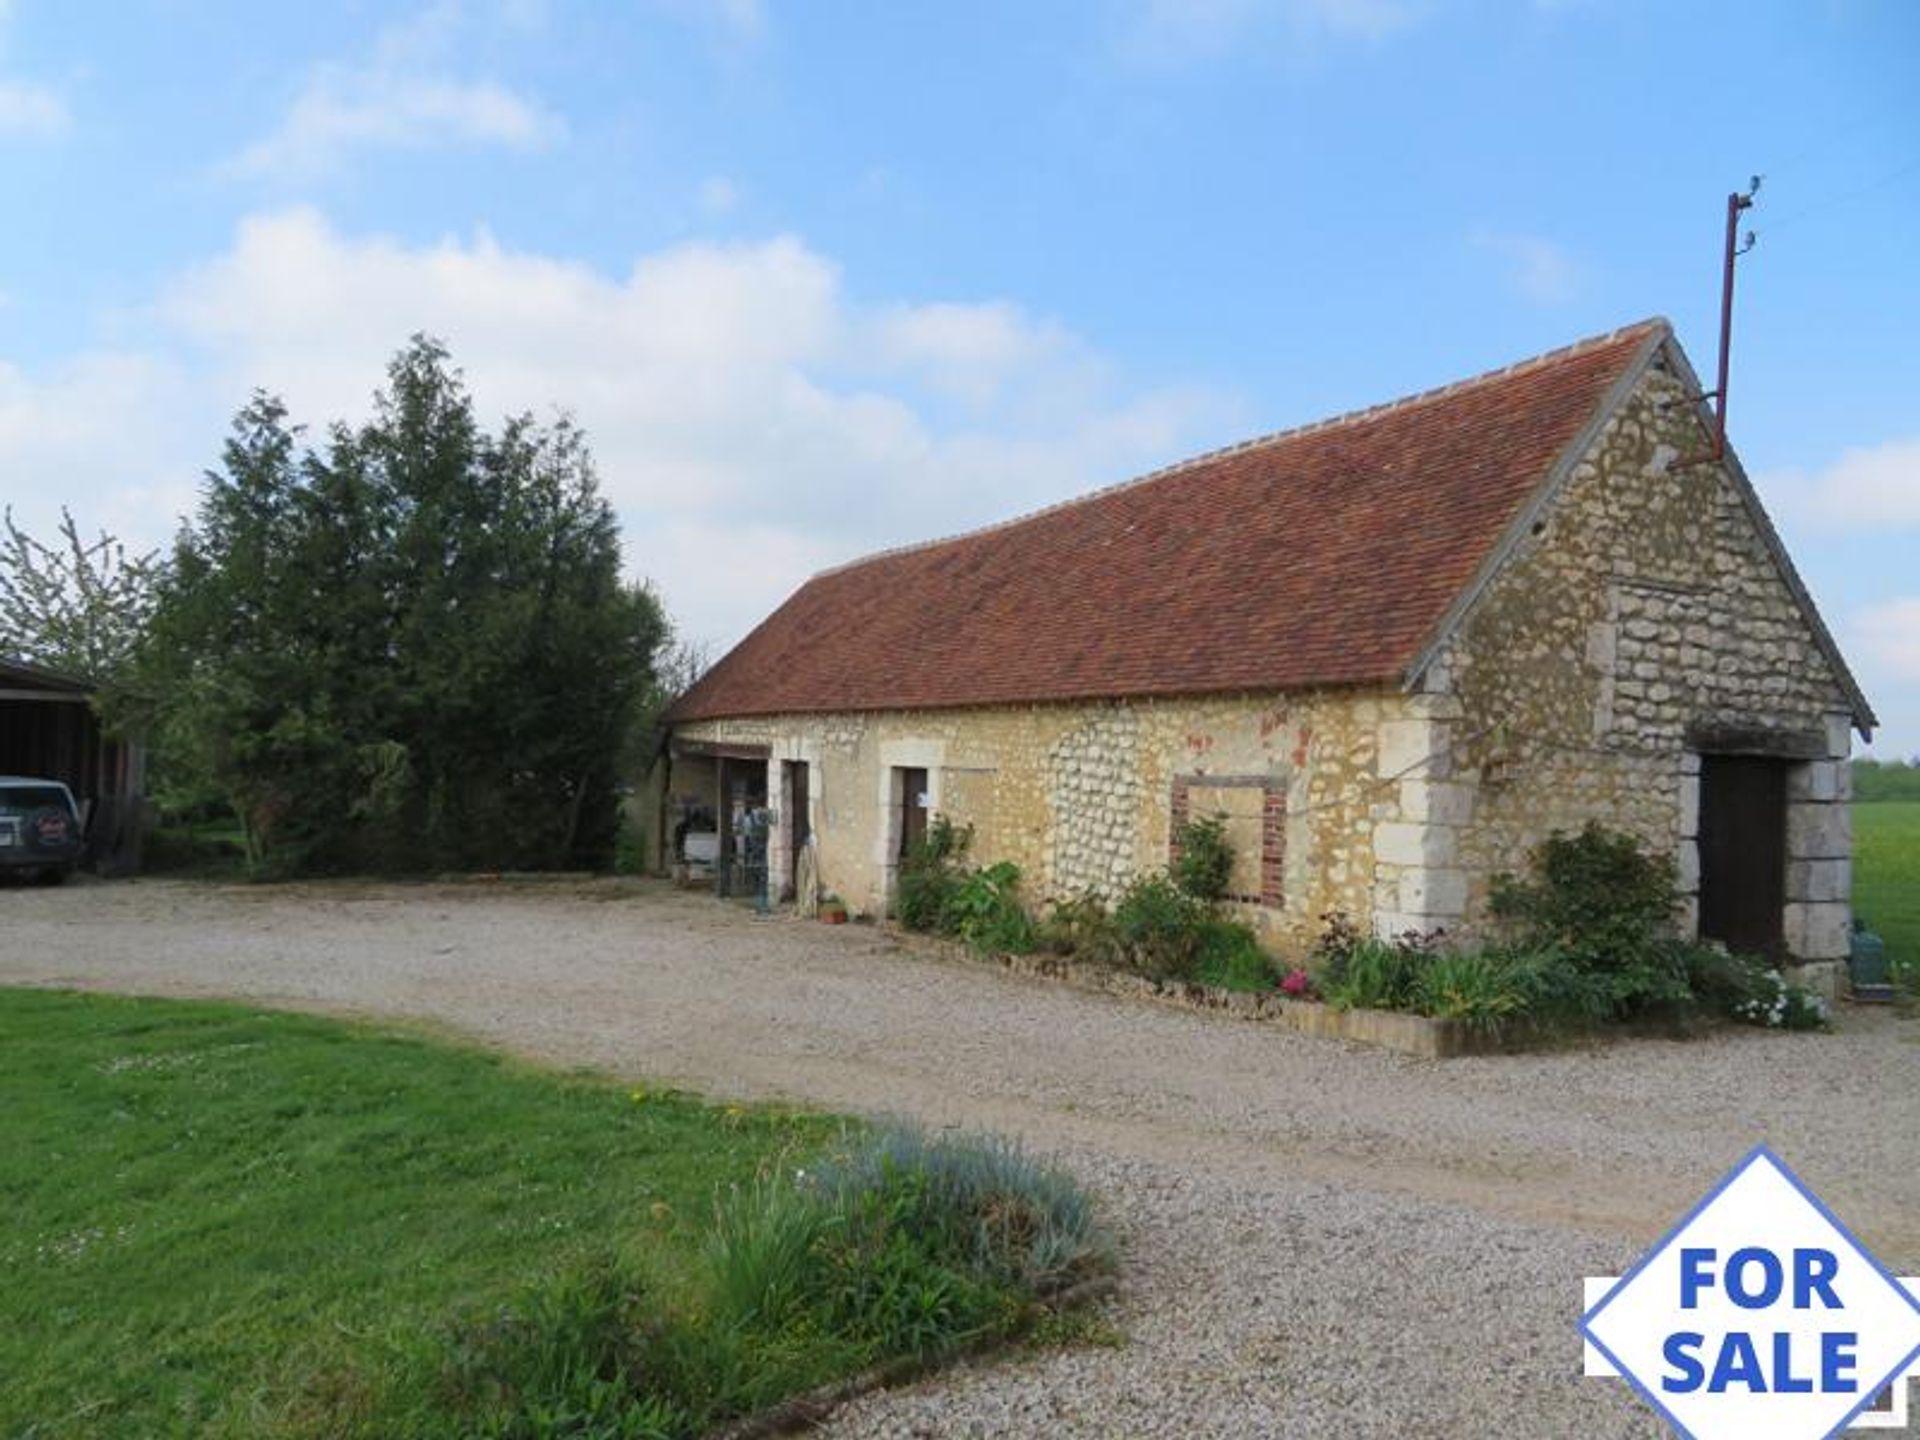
1844 197
1821 147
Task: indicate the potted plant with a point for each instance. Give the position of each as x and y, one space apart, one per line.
833 910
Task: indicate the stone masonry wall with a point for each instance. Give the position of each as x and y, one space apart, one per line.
1645 610
1082 796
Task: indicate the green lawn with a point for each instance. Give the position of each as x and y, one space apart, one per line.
1886 878
206 1207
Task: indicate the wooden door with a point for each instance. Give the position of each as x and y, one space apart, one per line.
799 822
1743 852
913 809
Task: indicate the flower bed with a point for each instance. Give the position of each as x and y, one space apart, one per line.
1589 944
1418 1035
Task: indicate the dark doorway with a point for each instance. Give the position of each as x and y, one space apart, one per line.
1743 852
799 823
743 828
913 809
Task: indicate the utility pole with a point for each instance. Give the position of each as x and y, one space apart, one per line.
1736 204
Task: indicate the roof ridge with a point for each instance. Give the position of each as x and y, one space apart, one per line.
1292 432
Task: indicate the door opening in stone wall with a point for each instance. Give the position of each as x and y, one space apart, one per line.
915 802
742 868
795 821
1743 852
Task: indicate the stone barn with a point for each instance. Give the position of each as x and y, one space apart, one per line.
1396 649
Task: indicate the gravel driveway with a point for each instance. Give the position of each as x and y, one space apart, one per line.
1318 1239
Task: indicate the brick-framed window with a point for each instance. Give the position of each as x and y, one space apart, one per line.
1265 817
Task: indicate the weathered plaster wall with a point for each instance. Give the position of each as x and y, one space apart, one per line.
1080 796
1645 606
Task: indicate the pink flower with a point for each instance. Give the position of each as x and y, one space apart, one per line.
1297 983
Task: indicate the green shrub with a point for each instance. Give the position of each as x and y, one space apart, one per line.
938 892
984 910
1205 858
629 847
1231 957
1602 904
930 872
1351 970
1160 928
1751 990
1080 925
1783 1005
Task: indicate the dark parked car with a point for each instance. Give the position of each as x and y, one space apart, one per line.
40 831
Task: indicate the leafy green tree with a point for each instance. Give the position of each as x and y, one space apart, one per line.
76 605
411 649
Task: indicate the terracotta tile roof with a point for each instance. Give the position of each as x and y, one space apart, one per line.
1320 556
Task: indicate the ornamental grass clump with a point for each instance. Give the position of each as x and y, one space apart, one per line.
901 1247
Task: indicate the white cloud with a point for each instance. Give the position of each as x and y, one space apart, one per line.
734 30
30 109
121 433
718 195
744 18
975 352
1174 32
26 108
752 421
342 110
1888 634
402 98
1870 487
1541 271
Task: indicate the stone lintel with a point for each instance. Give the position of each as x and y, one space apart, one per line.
1717 739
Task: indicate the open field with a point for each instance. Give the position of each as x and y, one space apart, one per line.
1315 1238
1886 878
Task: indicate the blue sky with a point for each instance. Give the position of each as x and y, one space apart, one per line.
823 277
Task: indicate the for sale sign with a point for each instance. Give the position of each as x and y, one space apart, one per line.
1758 1316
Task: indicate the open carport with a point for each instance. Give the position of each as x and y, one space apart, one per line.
48 730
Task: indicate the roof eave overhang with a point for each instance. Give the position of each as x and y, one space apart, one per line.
11 669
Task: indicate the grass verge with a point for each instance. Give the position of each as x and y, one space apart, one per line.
1886 880
232 1222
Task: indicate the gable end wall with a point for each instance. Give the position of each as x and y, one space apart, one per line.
1644 611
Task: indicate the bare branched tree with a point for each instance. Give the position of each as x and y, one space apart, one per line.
680 663
76 605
